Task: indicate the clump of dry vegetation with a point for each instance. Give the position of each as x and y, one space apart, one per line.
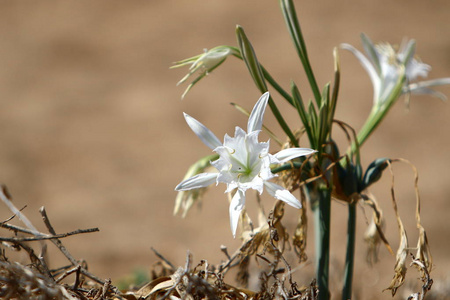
36 280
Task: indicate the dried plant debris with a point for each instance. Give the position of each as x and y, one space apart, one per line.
374 234
20 282
207 282
36 280
423 259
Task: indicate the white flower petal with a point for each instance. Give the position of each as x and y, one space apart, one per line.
231 185
367 65
280 193
425 91
371 51
236 207
256 117
291 153
198 181
407 51
206 135
416 69
429 83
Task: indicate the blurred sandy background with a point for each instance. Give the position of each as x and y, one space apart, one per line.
92 127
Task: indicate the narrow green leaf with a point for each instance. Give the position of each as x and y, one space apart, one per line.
295 35
335 90
282 122
249 57
290 17
277 87
324 126
298 102
313 121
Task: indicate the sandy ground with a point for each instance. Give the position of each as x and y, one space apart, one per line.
92 124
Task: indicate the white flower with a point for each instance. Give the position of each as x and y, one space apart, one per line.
388 68
204 63
244 163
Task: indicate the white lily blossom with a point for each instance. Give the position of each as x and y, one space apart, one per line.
244 163
388 68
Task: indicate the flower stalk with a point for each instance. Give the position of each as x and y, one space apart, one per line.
321 207
350 252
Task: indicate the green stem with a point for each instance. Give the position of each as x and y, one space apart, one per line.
322 216
372 122
288 166
378 112
349 258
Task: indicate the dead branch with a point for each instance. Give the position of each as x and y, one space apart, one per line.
56 242
163 258
14 215
43 236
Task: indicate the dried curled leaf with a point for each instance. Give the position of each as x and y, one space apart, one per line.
154 288
400 264
299 237
373 240
403 250
423 250
255 240
375 231
427 282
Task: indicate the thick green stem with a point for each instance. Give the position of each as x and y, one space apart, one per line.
287 166
349 258
378 112
322 213
372 122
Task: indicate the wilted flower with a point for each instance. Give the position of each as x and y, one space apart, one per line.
204 63
392 71
244 163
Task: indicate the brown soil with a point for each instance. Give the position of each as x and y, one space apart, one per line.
92 124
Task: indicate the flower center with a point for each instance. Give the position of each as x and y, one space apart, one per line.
244 165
